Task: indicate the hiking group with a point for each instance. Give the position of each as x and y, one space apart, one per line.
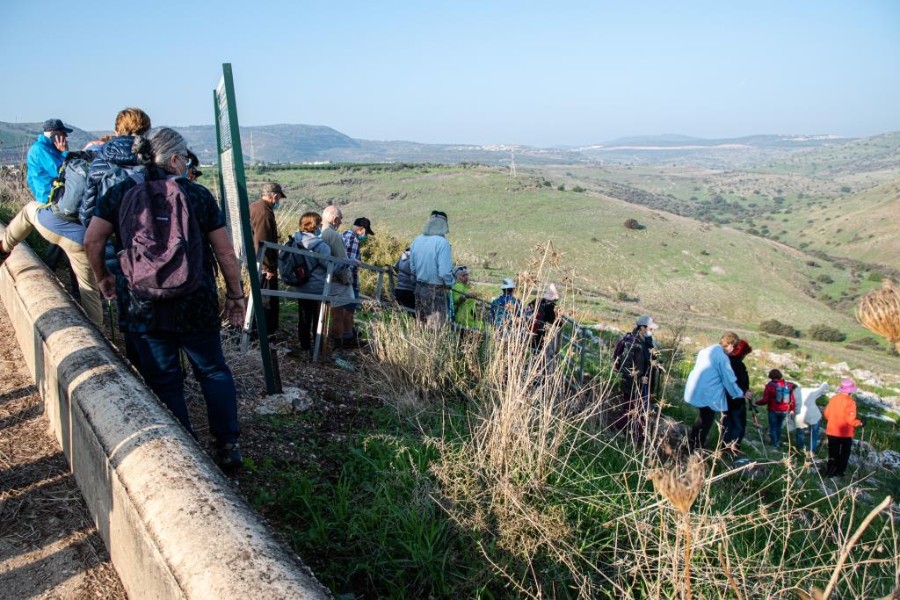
719 387
138 230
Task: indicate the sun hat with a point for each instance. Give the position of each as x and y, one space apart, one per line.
848 386
508 284
460 269
647 322
551 293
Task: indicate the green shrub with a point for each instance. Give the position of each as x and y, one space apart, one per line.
776 327
823 278
826 333
781 343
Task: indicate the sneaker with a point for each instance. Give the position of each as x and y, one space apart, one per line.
228 457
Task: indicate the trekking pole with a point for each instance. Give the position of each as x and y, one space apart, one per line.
754 410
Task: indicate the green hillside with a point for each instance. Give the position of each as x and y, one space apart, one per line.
685 270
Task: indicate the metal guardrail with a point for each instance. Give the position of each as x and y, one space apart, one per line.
587 347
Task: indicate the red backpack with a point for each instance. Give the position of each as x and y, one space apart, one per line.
162 246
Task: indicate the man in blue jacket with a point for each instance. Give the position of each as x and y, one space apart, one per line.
44 159
431 261
707 384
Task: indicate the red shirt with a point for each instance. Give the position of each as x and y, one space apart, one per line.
770 397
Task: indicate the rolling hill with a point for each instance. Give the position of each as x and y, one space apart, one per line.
677 268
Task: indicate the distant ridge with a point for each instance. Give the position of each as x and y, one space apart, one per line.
299 143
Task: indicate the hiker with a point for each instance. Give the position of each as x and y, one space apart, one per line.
265 229
189 319
778 397
431 261
631 360
341 290
707 385
735 422
841 427
354 238
464 306
807 418
45 157
541 315
505 307
405 289
115 160
308 308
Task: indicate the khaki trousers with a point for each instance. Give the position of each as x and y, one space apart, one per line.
26 221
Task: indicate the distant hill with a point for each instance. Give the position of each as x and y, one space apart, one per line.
293 143
16 138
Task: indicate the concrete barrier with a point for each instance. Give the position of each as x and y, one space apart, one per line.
171 521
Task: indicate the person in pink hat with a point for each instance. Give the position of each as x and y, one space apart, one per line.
842 423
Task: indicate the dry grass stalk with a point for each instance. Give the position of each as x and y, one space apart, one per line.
851 542
681 488
879 312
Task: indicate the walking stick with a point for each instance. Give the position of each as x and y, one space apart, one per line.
758 431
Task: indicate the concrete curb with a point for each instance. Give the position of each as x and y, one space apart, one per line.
173 525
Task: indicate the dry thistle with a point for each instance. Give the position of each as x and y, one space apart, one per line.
680 487
879 312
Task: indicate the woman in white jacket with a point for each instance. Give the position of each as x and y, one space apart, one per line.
808 417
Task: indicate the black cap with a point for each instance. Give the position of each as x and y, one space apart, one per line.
56 125
365 224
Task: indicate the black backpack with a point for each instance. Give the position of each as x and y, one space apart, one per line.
623 355
293 268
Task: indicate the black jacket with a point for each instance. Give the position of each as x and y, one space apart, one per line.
740 372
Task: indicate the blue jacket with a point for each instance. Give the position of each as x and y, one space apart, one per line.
711 377
430 260
43 163
114 153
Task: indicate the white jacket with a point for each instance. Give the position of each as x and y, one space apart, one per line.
808 412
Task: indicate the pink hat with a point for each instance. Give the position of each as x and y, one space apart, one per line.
848 386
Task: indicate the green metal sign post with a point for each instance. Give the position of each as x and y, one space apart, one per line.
236 206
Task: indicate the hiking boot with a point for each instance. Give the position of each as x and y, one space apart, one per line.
228 457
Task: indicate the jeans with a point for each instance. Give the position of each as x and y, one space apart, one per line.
776 422
813 444
160 365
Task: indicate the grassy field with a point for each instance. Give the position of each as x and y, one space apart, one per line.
681 270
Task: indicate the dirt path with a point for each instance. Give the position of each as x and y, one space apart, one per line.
49 547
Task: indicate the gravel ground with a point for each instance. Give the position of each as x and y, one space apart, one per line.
49 547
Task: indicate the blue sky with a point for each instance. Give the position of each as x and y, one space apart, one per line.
535 73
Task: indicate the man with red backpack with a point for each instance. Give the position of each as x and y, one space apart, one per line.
778 396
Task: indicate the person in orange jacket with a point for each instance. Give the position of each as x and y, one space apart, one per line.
842 423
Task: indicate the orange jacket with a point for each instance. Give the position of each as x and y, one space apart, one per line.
841 416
